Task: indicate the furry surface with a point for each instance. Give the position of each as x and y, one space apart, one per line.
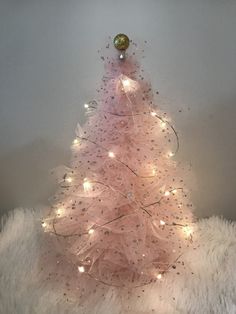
210 289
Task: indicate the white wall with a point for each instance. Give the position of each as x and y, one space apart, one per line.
49 67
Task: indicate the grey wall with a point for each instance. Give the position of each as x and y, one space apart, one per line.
49 67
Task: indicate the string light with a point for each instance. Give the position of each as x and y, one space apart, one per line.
86 185
69 180
174 191
163 124
44 225
167 193
153 114
76 141
162 223
60 211
86 106
81 269
187 230
111 154
170 154
126 82
154 171
159 276
91 231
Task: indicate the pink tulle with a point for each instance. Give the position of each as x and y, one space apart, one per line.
121 216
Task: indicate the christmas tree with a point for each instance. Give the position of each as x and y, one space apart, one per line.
122 216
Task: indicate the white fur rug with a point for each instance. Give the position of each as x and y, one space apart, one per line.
212 288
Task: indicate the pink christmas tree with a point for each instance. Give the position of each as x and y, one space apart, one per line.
122 216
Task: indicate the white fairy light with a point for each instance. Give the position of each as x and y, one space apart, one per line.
159 276
129 84
170 154
187 230
111 154
86 106
91 231
76 141
167 193
162 223
87 185
81 269
163 124
44 225
69 180
126 82
143 255
174 191
153 114
60 211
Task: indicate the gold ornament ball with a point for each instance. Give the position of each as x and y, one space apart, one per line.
121 42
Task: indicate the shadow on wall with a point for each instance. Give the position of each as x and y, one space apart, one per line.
25 174
209 141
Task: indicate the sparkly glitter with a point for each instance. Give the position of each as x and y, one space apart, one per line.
122 212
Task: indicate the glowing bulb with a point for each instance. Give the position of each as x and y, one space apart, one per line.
167 193
143 255
91 231
69 179
111 154
126 82
86 185
163 124
128 85
162 223
60 211
159 276
76 141
81 269
86 106
44 225
170 154
153 114
174 191
187 230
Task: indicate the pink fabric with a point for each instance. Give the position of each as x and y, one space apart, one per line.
132 241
